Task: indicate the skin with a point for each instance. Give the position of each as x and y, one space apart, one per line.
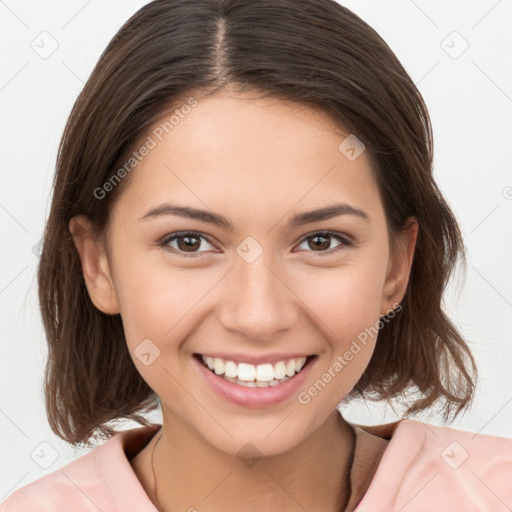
257 162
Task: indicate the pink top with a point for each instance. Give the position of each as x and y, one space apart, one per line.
424 468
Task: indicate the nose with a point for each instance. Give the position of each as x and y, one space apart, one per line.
259 302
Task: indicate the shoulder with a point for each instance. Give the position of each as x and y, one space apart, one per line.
60 488
426 467
99 480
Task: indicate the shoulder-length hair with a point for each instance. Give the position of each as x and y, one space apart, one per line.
315 52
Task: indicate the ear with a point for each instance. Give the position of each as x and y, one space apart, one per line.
399 267
95 265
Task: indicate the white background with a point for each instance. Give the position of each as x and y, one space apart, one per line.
470 102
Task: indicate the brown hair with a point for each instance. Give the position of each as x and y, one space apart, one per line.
314 52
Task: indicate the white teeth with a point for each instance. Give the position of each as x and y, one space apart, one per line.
246 372
262 375
264 372
299 363
290 368
256 383
279 370
218 366
230 369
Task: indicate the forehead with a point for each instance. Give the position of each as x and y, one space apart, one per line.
253 157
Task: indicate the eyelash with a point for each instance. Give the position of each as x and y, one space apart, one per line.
338 236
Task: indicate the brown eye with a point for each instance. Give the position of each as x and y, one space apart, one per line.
321 242
186 243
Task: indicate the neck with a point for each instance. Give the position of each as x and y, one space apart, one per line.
192 474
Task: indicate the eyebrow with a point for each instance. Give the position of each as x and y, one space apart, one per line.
328 212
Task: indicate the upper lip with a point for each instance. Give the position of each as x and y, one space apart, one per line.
255 359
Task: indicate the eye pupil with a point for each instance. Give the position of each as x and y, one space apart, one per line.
324 245
188 244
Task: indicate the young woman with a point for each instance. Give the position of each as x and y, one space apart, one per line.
245 231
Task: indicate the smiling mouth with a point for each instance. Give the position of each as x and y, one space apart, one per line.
249 375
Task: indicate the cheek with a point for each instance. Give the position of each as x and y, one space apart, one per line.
159 302
345 300
159 310
345 306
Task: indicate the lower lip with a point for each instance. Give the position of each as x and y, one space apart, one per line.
254 397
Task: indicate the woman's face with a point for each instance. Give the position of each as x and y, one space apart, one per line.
252 279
